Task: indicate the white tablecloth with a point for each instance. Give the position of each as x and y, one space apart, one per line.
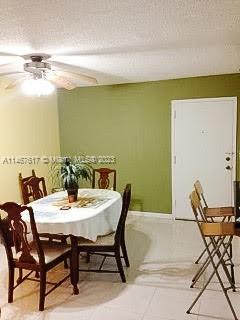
88 222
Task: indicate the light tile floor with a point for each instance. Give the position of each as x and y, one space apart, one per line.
162 254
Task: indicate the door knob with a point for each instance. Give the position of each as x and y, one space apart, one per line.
228 158
228 168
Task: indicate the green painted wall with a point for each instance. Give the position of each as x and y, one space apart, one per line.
133 123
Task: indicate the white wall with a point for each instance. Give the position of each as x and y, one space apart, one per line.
28 127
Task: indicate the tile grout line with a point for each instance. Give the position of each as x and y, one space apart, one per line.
150 300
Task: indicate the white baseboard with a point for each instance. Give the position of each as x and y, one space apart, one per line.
152 214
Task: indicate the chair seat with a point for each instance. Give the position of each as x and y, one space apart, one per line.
219 212
218 228
107 240
237 232
52 250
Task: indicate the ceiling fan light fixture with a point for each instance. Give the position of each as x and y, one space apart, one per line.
40 72
37 87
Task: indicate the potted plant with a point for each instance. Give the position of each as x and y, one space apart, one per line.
71 173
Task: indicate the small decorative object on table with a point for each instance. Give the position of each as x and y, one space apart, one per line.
71 173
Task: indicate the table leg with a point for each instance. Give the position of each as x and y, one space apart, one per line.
74 265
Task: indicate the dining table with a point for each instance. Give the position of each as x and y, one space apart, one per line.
95 213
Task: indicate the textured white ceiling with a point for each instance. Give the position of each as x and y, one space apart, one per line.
120 41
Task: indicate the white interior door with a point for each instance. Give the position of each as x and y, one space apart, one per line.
203 148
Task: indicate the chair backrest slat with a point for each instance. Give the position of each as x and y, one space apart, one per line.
196 206
104 181
198 188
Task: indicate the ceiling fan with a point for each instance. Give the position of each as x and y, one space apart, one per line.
37 67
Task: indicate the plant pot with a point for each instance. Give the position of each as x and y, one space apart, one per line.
72 195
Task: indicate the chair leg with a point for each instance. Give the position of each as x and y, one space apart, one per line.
88 257
201 255
230 277
231 264
119 264
124 251
10 284
42 290
64 241
200 272
233 277
74 265
207 261
19 280
215 271
205 264
65 264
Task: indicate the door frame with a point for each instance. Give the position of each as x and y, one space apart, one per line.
234 135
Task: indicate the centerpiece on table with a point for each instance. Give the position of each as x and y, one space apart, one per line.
71 173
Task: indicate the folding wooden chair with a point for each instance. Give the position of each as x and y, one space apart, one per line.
224 232
212 213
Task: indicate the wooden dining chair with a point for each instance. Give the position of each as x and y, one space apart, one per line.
37 188
25 193
105 178
112 244
34 255
32 187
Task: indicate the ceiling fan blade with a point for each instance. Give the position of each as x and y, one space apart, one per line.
11 72
4 83
60 81
11 63
64 67
9 83
79 77
7 54
14 83
4 65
